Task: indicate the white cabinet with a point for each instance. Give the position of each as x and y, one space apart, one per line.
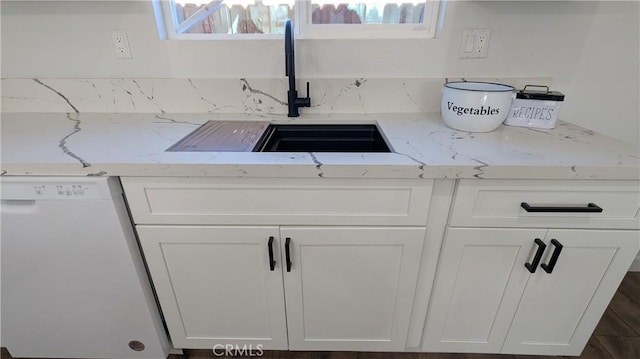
485 298
559 310
573 204
346 257
350 288
215 284
347 286
223 201
484 294
480 280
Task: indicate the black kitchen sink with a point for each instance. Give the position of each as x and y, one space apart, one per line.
322 138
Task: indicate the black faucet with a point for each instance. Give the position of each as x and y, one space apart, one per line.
294 101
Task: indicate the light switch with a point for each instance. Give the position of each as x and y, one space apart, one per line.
468 45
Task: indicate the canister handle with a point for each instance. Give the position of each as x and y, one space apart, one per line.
525 87
446 81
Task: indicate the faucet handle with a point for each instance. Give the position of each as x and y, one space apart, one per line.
300 101
308 98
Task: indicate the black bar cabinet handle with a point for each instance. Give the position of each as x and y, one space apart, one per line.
272 262
287 253
590 208
554 257
531 267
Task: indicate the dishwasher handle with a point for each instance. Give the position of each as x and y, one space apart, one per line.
18 206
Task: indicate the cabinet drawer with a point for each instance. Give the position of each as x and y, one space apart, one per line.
283 201
499 203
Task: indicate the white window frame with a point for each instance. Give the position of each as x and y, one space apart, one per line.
165 18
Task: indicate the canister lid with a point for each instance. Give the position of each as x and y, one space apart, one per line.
540 94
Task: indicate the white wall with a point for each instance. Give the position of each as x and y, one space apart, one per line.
591 50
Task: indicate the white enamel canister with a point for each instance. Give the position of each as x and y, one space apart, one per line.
475 106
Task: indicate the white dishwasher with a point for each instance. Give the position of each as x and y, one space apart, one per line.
73 282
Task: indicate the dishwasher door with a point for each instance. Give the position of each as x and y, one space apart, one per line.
73 282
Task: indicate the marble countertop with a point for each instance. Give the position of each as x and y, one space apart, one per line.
134 144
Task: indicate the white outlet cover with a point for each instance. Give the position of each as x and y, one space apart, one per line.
475 43
120 44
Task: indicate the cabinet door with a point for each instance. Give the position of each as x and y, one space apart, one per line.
559 310
215 285
480 279
350 288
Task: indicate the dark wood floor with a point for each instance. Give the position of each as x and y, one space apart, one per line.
617 336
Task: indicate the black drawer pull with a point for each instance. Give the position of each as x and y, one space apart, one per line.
554 257
272 262
590 208
287 253
531 267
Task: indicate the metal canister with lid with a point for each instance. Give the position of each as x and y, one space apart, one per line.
535 108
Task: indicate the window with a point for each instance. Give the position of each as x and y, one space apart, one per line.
235 19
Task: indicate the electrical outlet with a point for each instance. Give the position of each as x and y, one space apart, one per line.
475 43
120 44
482 45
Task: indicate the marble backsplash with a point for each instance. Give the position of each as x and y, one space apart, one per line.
227 95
